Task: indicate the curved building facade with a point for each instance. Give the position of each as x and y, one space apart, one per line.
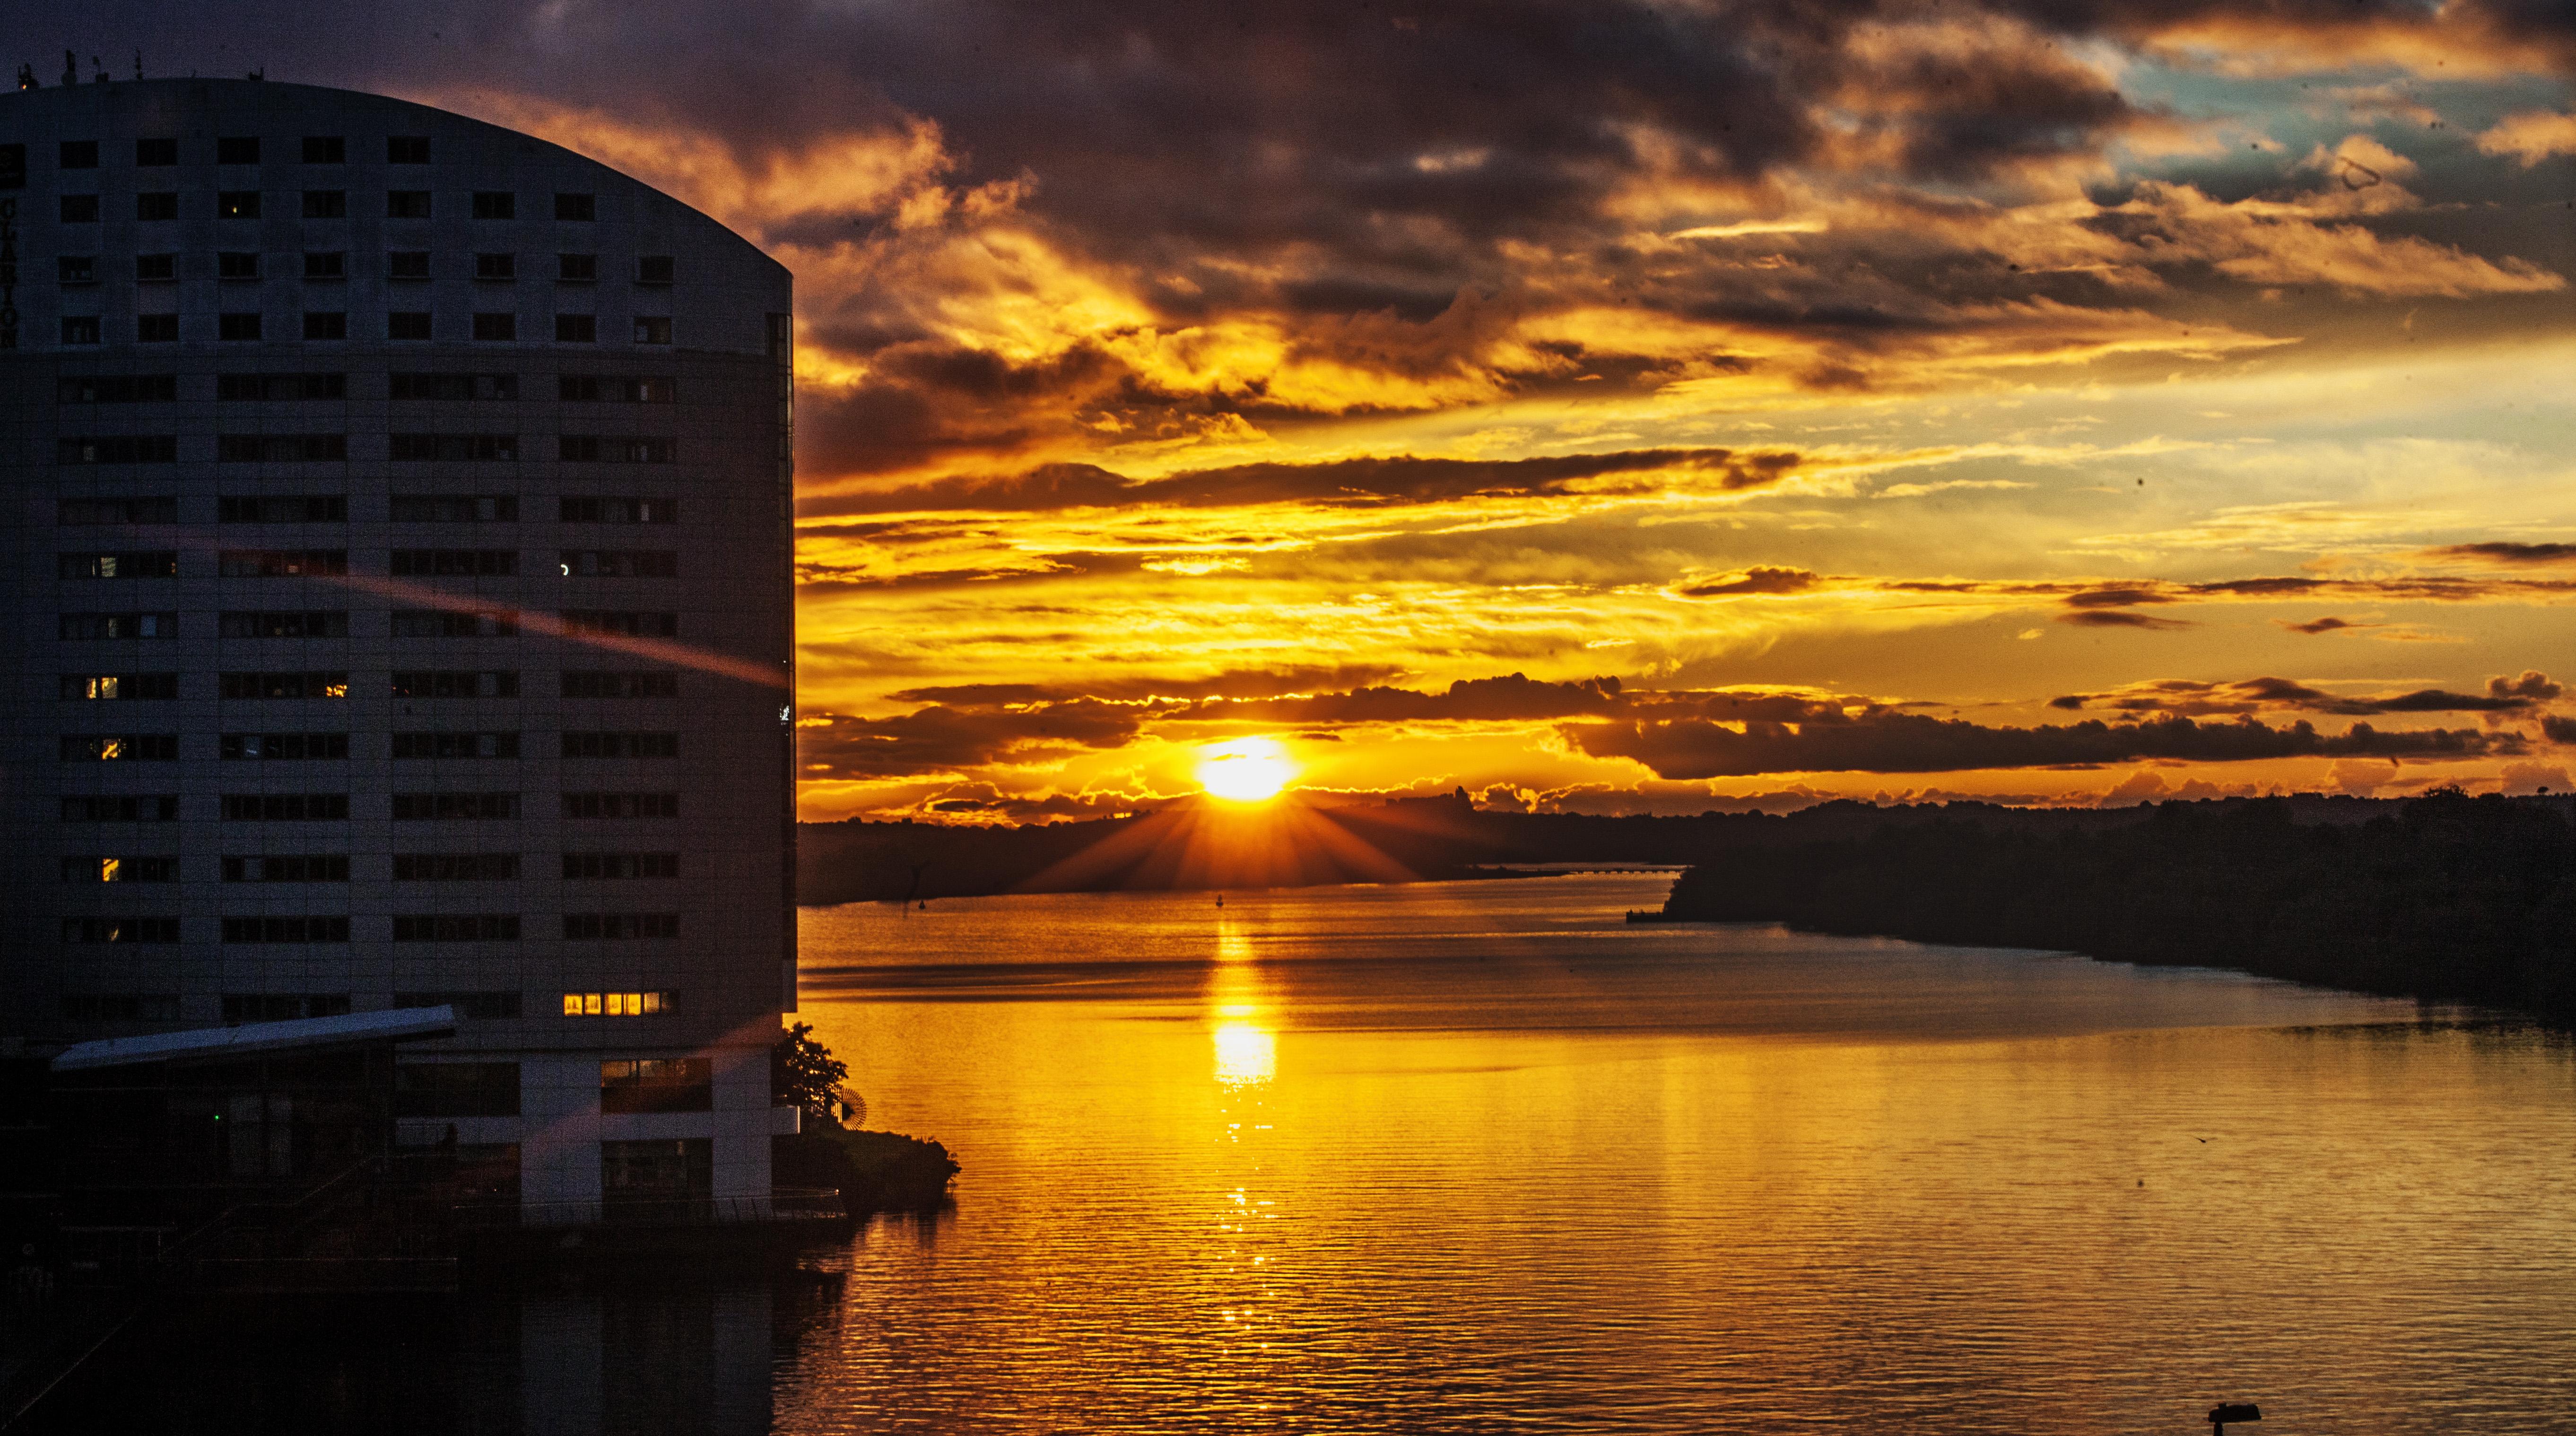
398 528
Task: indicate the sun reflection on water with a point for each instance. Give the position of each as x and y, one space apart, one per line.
1239 1013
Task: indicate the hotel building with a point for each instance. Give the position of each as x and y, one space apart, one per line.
398 547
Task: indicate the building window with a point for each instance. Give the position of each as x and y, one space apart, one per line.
332 264
289 623
148 563
407 204
598 449
237 264
454 448
281 562
576 268
232 387
156 153
620 563
652 331
610 867
237 150
78 627
155 930
120 870
295 868
576 329
160 509
282 747
285 807
618 511
455 386
281 508
578 207
407 324
407 264
287 929
325 150
611 744
155 268
454 807
653 269
118 449
156 329
120 687
148 808
496 327
456 745
282 449
79 154
326 324
407 149
455 683
458 927
621 805
80 329
455 562
326 204
237 204
617 1004
237 327
80 209
76 269
495 204
615 388
455 623
457 1089
669 1170
455 508
119 748
657 1084
456 867
641 624
620 683
241 687
496 266
156 205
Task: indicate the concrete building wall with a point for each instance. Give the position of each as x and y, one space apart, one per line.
397 550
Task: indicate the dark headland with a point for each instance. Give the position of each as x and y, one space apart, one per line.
2443 897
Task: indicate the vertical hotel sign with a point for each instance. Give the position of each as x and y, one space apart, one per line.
13 176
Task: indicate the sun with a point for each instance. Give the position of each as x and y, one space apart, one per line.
1247 770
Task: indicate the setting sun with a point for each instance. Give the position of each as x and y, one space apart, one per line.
1247 770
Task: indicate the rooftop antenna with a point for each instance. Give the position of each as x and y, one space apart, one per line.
27 77
138 64
97 71
71 68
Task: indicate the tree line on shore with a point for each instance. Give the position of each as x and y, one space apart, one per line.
2446 897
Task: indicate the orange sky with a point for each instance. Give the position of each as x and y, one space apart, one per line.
1623 407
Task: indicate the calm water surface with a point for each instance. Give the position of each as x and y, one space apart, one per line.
1480 1157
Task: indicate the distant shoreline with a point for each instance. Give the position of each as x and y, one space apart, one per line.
2444 899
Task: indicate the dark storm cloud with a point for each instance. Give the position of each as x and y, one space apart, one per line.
2119 618
1886 742
2190 698
1347 483
943 739
1758 579
2517 554
1512 698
